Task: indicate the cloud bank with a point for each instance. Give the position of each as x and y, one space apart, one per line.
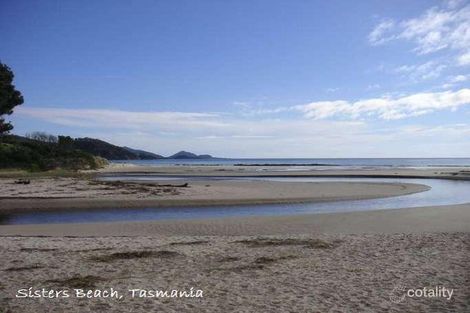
317 129
388 108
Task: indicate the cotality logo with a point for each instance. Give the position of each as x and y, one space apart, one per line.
398 294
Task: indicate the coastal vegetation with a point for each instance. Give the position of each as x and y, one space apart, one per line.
37 155
36 151
40 151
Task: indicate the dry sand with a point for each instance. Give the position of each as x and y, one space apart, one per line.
322 273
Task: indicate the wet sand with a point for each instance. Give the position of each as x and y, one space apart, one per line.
453 218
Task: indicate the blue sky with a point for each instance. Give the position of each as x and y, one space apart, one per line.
246 78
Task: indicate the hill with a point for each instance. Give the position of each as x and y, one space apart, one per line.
103 149
109 151
144 155
22 152
189 155
44 151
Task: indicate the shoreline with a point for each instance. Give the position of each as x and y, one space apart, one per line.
431 219
227 171
96 195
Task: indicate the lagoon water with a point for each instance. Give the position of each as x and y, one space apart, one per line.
442 192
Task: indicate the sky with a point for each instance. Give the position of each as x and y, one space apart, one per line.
311 79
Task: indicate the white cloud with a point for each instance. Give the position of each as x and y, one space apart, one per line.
455 80
217 134
436 29
464 59
377 35
459 78
93 118
229 135
177 123
302 138
418 72
388 108
430 32
451 130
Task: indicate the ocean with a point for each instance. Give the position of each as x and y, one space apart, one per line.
322 162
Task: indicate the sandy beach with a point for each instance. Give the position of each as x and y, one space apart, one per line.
339 262
76 193
235 156
334 273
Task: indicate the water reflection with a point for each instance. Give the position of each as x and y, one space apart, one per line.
442 192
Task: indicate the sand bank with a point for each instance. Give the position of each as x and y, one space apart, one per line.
74 193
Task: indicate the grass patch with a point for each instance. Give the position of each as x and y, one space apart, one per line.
88 281
265 242
135 255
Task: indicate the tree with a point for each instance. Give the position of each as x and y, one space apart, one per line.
65 142
42 136
9 97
